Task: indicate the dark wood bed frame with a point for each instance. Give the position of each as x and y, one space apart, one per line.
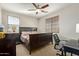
37 40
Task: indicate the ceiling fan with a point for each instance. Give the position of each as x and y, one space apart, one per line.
38 8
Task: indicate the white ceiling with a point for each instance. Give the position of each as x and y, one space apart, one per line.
23 8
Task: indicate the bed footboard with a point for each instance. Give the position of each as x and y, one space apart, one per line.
39 40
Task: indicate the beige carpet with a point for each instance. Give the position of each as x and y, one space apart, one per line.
47 50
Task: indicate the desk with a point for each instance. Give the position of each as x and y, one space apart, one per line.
71 49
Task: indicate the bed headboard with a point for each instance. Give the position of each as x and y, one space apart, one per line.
27 29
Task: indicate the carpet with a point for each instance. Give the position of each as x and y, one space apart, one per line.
47 50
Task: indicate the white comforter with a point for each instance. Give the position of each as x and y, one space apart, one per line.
25 36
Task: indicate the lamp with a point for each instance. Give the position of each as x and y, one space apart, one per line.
14 28
77 28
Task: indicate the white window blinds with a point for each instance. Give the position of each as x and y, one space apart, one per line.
52 24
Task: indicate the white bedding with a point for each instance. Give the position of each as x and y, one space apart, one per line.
25 36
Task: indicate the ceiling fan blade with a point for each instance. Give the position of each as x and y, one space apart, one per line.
35 5
44 6
44 11
31 9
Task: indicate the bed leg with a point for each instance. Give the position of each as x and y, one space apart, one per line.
30 51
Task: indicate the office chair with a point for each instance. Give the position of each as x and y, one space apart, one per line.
57 42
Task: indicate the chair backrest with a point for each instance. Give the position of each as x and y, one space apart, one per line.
56 38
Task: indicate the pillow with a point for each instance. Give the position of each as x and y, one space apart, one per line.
33 32
26 33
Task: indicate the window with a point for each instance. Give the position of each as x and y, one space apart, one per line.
77 28
13 24
13 20
52 24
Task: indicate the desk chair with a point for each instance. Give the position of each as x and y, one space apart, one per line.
57 42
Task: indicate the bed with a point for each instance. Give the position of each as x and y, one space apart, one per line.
32 39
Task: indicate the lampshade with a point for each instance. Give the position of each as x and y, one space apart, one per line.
77 28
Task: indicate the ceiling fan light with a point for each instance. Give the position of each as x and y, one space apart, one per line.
38 10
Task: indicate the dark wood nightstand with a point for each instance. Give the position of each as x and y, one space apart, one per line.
8 44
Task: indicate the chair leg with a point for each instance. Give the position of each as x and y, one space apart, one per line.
62 53
58 54
65 53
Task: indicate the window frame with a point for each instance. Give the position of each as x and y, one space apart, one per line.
13 16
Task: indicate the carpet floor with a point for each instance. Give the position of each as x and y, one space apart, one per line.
47 50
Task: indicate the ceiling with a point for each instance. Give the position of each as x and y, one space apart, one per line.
23 8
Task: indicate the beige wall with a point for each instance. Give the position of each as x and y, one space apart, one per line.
68 18
25 21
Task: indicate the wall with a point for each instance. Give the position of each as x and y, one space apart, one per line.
25 21
68 18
